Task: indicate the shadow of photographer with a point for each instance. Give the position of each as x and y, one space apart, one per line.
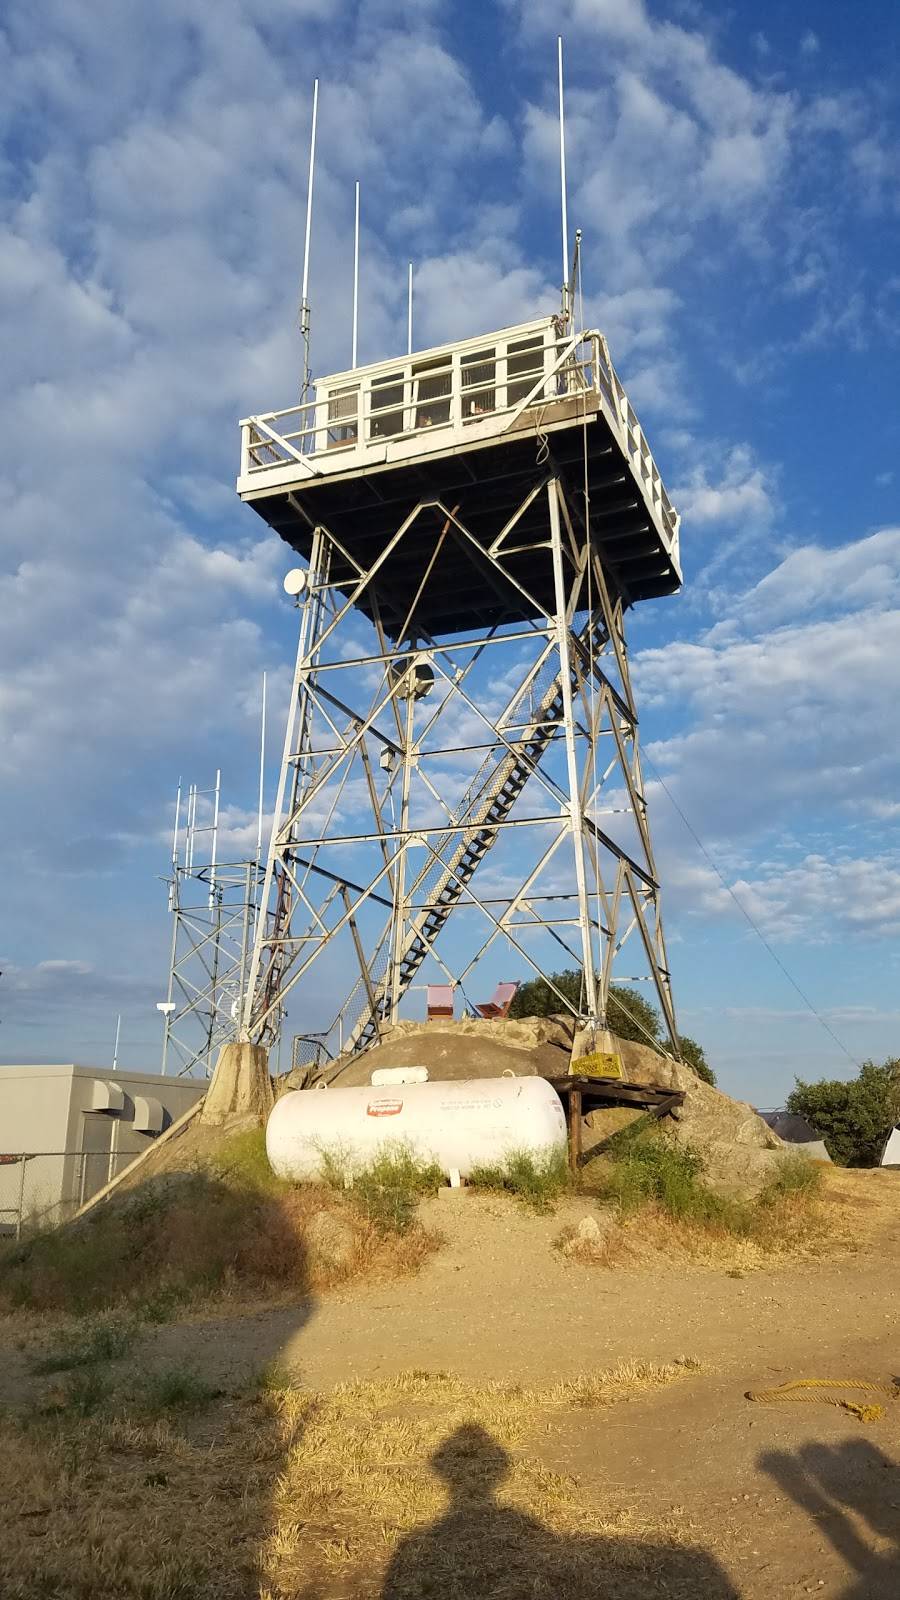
482 1548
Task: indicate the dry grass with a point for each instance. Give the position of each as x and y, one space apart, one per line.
289 1493
829 1216
229 1230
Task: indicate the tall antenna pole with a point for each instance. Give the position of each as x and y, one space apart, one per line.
116 1045
262 755
175 844
409 313
304 293
355 276
177 821
562 181
189 838
215 835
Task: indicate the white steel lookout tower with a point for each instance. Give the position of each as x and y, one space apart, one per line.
461 797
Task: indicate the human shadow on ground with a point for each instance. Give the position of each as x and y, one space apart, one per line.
852 1493
481 1548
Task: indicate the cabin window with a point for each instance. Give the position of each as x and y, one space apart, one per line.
386 408
524 365
479 375
343 416
433 383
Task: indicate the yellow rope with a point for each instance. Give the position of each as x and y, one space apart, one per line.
810 1389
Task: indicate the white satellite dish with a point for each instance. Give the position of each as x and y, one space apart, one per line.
295 581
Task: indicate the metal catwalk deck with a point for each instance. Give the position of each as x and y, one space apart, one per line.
468 426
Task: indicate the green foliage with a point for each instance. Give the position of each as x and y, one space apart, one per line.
694 1056
85 1393
242 1162
175 1389
854 1116
630 1015
106 1337
388 1188
537 999
651 1167
537 1180
157 1247
796 1175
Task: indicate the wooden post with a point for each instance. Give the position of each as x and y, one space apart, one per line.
574 1128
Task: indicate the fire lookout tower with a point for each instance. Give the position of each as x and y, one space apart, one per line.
461 773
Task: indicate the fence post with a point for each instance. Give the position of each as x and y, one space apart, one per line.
21 1197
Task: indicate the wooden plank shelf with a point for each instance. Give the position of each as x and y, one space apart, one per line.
581 1094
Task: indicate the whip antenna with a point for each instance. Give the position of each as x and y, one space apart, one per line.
304 293
409 312
355 276
562 184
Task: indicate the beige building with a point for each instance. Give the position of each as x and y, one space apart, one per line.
66 1130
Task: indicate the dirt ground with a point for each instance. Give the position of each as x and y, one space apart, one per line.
786 1499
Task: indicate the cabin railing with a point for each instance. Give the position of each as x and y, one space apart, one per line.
477 389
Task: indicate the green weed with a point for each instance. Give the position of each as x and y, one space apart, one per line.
175 1389
539 1181
106 1337
650 1168
388 1188
796 1175
84 1394
242 1162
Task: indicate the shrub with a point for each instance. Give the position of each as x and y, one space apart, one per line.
796 1175
106 1337
176 1389
537 1180
388 1188
855 1116
648 1167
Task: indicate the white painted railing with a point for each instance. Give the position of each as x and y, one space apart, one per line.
476 389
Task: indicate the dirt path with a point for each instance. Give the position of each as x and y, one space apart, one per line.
791 1499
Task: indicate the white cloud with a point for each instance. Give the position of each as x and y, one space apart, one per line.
742 496
864 573
782 725
809 44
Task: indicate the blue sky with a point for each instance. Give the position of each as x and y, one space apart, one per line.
736 175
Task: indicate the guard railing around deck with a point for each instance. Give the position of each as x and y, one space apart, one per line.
476 390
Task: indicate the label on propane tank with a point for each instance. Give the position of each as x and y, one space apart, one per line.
383 1108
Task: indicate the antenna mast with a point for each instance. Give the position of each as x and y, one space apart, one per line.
409 312
304 293
355 276
262 772
566 299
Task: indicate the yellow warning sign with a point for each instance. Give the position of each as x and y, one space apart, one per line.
599 1064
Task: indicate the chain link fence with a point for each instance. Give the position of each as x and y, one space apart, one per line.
40 1189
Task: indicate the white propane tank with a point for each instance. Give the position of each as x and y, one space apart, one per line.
460 1124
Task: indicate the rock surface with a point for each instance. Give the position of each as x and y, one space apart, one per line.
471 1048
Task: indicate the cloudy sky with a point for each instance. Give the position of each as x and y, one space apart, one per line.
736 174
